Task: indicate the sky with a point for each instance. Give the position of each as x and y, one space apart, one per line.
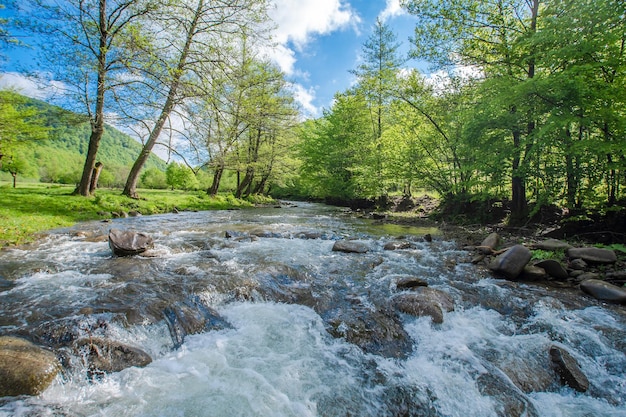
318 43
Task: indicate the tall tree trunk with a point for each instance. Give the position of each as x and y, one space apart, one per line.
130 189
95 176
245 183
97 122
217 178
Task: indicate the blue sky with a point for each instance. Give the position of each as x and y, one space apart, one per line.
319 42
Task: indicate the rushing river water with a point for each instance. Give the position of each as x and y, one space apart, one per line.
289 322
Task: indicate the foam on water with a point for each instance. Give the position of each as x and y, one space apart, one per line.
277 361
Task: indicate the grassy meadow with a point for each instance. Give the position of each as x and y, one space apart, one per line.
32 208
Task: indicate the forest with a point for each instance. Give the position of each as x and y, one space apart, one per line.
525 106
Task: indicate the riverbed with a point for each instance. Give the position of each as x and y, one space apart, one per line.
297 329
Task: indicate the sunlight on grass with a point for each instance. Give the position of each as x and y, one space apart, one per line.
33 208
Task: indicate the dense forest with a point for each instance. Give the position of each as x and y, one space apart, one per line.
526 108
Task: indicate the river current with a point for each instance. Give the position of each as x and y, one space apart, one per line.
287 305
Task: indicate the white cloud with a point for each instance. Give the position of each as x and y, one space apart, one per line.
304 97
442 80
298 21
27 86
392 9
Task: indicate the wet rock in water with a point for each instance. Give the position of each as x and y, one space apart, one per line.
6 284
106 356
553 245
568 369
25 369
398 245
191 316
512 262
410 282
553 268
593 255
377 331
602 290
128 243
425 302
490 243
350 246
509 400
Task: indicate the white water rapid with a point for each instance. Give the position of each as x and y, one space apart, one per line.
287 300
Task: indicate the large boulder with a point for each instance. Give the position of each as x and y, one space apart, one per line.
25 369
602 290
512 262
350 246
128 243
425 301
568 369
106 356
593 255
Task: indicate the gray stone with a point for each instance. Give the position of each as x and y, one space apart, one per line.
568 369
553 245
578 264
25 369
398 245
410 282
533 273
594 255
350 246
603 290
490 243
553 268
424 302
106 356
512 262
128 243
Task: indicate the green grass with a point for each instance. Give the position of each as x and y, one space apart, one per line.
34 208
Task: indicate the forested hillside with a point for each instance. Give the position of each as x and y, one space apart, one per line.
60 156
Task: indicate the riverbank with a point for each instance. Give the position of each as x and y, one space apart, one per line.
34 208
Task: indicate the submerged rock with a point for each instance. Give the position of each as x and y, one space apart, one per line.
510 401
408 283
395 245
25 369
191 316
424 302
128 243
106 356
602 290
593 255
512 262
350 246
568 369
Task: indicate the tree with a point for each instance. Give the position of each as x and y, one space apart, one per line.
190 29
14 165
377 78
19 123
85 47
180 176
489 35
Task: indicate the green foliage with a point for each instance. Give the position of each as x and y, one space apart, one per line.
179 176
540 255
153 178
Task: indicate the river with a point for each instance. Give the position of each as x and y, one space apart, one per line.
294 326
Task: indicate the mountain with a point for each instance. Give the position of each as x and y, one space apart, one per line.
61 157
